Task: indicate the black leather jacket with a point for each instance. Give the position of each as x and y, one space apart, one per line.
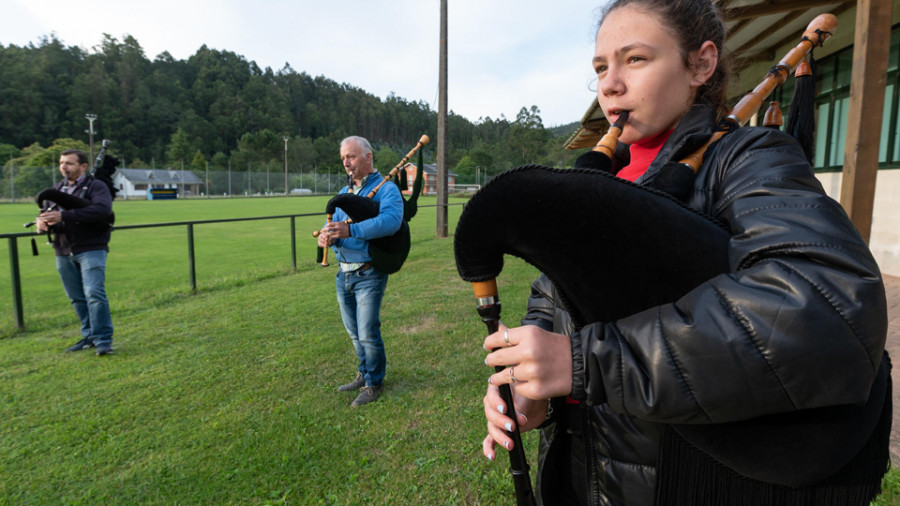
799 322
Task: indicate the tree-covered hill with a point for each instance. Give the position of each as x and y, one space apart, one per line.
225 109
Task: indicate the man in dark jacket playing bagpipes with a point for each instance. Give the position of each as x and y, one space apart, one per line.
81 240
360 286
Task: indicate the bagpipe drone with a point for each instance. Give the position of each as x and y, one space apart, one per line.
788 457
389 252
50 199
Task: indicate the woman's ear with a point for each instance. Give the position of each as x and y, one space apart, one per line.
704 61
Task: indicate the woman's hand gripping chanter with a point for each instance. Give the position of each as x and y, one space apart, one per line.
538 366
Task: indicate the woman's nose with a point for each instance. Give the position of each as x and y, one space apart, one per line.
611 83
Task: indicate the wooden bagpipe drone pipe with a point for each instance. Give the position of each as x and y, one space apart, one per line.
389 252
50 199
794 458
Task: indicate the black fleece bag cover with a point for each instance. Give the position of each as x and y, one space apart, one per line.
611 247
60 198
389 252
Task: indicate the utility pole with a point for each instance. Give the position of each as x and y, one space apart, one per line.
91 117
442 226
285 166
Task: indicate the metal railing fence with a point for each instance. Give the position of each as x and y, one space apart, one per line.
22 183
15 274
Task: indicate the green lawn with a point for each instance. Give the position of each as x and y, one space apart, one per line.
227 396
148 266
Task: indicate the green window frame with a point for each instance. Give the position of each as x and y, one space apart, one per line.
832 102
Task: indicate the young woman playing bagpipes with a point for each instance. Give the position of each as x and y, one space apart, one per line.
697 400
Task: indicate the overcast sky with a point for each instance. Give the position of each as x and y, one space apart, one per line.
503 54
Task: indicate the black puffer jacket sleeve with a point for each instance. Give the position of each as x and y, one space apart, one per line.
799 322
545 312
541 310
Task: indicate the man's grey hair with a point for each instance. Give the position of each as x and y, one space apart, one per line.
361 142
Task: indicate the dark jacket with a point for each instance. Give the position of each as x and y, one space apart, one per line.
799 321
87 228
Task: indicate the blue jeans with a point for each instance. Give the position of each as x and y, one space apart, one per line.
83 277
359 294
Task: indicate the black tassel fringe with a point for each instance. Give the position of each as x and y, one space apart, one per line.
689 477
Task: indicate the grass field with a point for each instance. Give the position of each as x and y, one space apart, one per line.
147 266
227 396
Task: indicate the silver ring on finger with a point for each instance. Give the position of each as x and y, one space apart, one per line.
506 336
512 377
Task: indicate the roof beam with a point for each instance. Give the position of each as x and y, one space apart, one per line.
765 9
738 28
768 53
784 21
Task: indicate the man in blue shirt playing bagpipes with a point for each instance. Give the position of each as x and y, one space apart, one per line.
360 284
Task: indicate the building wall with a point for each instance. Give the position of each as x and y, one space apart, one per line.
885 235
126 188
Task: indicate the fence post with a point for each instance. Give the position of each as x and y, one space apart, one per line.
16 282
293 245
191 257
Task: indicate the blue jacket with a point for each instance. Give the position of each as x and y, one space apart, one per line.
390 216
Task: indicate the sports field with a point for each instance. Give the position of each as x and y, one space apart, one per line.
227 396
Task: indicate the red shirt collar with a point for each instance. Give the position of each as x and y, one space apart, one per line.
642 155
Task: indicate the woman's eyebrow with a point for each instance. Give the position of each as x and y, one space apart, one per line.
625 49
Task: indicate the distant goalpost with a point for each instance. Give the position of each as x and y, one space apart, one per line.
463 188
